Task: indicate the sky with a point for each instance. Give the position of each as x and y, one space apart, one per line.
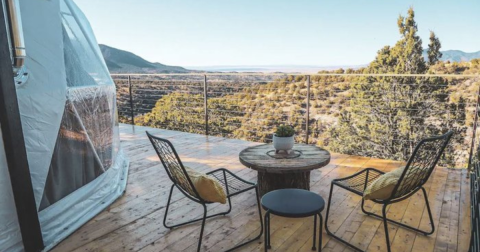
274 32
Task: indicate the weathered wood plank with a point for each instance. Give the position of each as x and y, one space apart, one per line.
464 214
134 221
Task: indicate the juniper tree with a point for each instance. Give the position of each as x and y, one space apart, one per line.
433 51
387 115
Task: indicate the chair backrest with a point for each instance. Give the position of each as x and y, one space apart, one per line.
173 165
421 164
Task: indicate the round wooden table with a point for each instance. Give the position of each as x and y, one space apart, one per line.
288 171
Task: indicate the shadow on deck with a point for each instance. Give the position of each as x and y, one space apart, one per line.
134 221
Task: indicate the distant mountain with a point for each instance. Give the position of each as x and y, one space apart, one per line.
119 61
456 55
271 68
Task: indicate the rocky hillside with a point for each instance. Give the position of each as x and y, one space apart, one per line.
119 61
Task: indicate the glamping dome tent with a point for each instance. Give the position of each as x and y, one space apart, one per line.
67 106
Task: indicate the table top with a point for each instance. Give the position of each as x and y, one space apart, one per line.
293 203
312 157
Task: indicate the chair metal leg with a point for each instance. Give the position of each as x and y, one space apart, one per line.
166 208
229 207
326 223
205 216
406 226
191 221
383 217
314 231
328 209
429 212
363 208
363 200
228 193
259 212
385 225
261 224
202 228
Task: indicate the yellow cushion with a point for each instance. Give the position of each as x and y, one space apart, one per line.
208 187
383 186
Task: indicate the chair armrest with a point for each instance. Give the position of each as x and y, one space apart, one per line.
359 173
232 174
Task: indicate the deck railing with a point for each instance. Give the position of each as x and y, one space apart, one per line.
474 166
381 115
475 204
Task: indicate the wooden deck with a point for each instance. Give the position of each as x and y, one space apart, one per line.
134 222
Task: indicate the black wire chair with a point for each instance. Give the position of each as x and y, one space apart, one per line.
231 183
416 173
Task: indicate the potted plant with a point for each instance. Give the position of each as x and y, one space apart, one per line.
283 139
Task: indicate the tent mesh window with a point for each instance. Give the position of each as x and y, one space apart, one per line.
86 144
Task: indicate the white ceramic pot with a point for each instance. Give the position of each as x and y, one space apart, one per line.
283 143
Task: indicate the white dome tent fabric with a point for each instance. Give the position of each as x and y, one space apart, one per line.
10 238
69 120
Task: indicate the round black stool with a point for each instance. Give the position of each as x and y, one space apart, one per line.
293 203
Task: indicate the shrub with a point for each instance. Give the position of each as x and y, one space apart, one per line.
285 131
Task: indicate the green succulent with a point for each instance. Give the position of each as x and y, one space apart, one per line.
285 131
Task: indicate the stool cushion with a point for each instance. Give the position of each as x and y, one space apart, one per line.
293 203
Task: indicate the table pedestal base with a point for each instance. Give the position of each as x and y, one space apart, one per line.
272 181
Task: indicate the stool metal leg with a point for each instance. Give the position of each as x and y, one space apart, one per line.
267 230
320 233
314 231
269 245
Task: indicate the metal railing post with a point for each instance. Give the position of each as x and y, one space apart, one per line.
205 102
475 121
132 113
307 123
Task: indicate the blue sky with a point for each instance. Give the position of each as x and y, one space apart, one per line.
274 32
